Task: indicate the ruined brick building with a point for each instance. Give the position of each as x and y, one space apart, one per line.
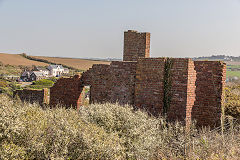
180 88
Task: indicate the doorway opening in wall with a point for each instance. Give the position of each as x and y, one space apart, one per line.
87 95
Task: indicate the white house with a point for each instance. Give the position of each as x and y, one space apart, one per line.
44 70
55 70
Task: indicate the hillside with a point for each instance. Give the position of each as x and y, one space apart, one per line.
16 59
229 60
82 64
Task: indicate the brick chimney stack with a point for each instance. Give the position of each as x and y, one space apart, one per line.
136 45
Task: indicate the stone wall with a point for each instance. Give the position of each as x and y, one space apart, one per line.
177 88
210 83
96 77
136 45
182 89
166 86
67 92
32 96
149 85
121 83
111 83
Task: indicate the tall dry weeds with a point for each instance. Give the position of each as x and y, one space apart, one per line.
106 131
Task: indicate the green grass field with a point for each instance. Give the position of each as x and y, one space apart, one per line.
233 73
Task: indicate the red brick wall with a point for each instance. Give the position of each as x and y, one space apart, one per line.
191 91
97 78
184 90
136 45
68 92
196 90
111 83
149 85
121 82
150 89
32 96
211 76
183 77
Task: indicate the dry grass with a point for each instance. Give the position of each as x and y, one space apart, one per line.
232 99
81 64
105 131
16 59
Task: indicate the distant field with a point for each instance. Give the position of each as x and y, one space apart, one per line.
231 70
232 63
233 73
16 59
81 64
233 66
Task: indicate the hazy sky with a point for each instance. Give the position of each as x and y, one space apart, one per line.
94 28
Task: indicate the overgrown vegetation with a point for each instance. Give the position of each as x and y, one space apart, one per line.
6 70
232 100
104 131
40 84
8 87
167 85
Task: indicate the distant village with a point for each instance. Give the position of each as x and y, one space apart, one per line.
38 73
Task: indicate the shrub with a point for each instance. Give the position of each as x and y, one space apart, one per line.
105 131
43 82
232 98
139 132
36 86
3 83
54 79
30 132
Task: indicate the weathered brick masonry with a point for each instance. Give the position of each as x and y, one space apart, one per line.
32 96
178 88
136 45
149 85
66 91
211 76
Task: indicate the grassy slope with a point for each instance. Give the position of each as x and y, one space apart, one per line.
82 64
16 59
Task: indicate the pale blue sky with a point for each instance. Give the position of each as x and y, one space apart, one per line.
94 28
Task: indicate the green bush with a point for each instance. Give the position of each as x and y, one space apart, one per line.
43 82
36 87
54 79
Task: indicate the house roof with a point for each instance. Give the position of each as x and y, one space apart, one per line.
25 73
42 68
38 73
56 66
